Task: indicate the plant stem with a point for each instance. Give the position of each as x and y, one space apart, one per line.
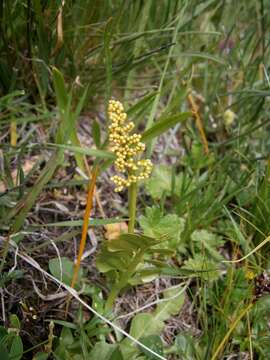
132 201
123 280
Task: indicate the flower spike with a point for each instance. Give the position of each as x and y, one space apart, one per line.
127 148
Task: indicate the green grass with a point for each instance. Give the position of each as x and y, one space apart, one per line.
201 208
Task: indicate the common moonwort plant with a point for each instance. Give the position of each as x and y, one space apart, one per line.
128 149
131 258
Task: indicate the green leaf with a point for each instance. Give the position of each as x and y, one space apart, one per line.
103 351
118 254
3 333
16 349
67 129
60 89
154 343
85 151
4 353
66 340
206 241
162 125
107 260
159 226
66 324
184 344
96 133
141 105
203 55
162 182
108 34
64 270
116 355
66 337
92 222
205 268
14 322
145 324
166 309
138 239
41 356
20 211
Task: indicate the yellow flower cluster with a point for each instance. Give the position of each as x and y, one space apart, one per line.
126 147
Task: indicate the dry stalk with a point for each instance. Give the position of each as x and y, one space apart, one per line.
195 111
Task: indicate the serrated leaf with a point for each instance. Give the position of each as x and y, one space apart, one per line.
205 240
205 268
156 225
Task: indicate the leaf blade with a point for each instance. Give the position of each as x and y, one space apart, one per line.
163 125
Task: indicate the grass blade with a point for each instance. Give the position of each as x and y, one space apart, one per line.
163 125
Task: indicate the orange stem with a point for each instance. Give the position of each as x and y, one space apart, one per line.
89 206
